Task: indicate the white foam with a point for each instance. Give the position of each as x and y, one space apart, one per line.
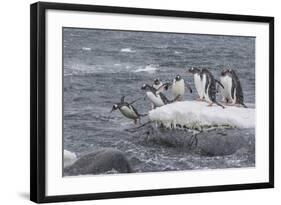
194 112
68 158
86 49
148 68
127 50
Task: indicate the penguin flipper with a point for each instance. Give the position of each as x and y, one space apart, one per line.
165 86
239 91
136 128
135 101
244 105
207 83
164 98
188 87
176 98
218 82
122 99
143 115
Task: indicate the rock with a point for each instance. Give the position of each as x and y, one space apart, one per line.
106 160
211 143
218 145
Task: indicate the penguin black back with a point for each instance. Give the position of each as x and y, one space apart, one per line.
236 88
210 87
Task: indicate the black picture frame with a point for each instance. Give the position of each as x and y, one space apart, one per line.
38 101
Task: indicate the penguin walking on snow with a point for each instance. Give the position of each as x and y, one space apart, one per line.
128 110
198 81
232 91
209 83
178 87
157 98
226 81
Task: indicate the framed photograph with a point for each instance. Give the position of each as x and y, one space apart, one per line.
129 102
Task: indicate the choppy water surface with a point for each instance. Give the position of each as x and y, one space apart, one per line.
102 65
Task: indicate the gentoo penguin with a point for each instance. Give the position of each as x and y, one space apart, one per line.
198 81
226 81
232 92
127 110
157 83
157 98
210 90
178 87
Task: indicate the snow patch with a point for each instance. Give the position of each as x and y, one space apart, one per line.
190 113
68 158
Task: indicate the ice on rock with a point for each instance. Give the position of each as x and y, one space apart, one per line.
190 113
69 158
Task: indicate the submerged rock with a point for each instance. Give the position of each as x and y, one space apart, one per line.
102 161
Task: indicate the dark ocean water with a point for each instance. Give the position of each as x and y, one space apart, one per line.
102 65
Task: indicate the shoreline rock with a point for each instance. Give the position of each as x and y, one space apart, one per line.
107 160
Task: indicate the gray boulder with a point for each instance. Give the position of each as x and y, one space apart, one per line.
210 143
106 160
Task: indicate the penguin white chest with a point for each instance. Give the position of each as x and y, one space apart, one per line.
198 85
226 81
178 88
155 99
128 112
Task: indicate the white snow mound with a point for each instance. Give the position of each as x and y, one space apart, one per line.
68 158
194 112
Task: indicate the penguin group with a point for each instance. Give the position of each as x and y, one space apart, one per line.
206 85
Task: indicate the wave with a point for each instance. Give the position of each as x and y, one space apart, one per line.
197 114
68 158
127 50
148 68
86 49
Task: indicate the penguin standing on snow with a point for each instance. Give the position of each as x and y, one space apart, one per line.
157 98
178 87
232 92
226 81
209 83
198 81
128 110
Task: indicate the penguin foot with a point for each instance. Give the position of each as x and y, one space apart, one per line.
210 104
